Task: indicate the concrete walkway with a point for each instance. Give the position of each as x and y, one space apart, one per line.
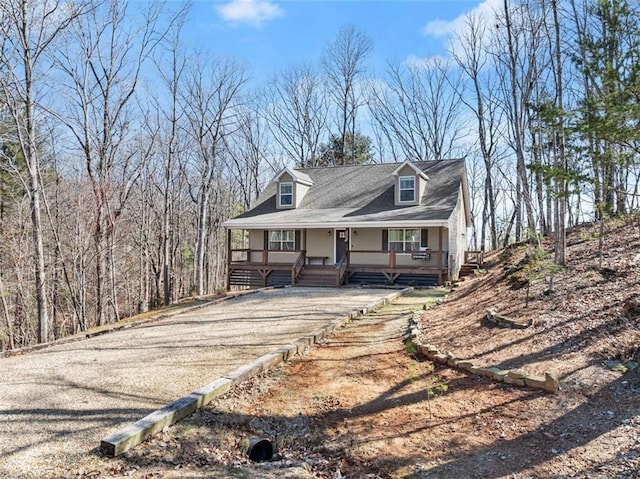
57 403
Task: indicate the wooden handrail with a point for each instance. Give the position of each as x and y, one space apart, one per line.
264 253
341 269
297 267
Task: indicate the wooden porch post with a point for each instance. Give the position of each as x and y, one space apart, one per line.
228 259
439 263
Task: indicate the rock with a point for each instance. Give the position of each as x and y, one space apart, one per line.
497 374
535 382
465 365
453 362
486 372
631 306
618 366
551 382
514 381
441 358
516 374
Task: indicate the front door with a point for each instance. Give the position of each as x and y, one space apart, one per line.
342 244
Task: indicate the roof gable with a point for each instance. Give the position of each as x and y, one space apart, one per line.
297 176
408 163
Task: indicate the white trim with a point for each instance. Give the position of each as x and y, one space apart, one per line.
298 177
418 171
234 224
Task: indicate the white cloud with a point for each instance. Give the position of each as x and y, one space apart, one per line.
437 28
430 62
249 12
443 28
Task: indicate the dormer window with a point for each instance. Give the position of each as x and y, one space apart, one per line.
291 187
286 194
407 189
409 184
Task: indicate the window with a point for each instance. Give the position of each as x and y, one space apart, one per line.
282 240
286 194
407 188
404 240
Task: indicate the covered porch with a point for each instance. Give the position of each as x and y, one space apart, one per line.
332 257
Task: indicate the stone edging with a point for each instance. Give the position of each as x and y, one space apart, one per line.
133 434
514 377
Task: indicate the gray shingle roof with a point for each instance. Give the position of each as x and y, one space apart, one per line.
350 195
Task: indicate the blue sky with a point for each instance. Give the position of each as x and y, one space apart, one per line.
267 35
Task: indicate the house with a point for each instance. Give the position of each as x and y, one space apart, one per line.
390 223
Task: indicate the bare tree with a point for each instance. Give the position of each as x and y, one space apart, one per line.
102 67
296 112
211 102
471 56
172 115
28 30
560 163
522 38
418 107
343 61
246 157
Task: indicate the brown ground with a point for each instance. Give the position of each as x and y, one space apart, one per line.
360 406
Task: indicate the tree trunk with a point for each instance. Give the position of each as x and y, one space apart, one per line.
524 193
561 165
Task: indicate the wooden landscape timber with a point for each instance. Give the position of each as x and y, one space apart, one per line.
503 321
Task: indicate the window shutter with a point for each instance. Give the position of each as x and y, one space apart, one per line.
424 238
266 239
385 240
297 240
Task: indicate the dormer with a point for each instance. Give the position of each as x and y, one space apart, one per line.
410 183
291 186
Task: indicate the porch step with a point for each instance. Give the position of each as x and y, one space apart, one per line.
317 277
468 269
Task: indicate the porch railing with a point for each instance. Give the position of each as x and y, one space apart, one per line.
382 258
399 259
474 257
263 256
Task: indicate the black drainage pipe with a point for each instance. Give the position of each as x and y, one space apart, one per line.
260 450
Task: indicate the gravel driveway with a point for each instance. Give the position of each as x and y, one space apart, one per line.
57 403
